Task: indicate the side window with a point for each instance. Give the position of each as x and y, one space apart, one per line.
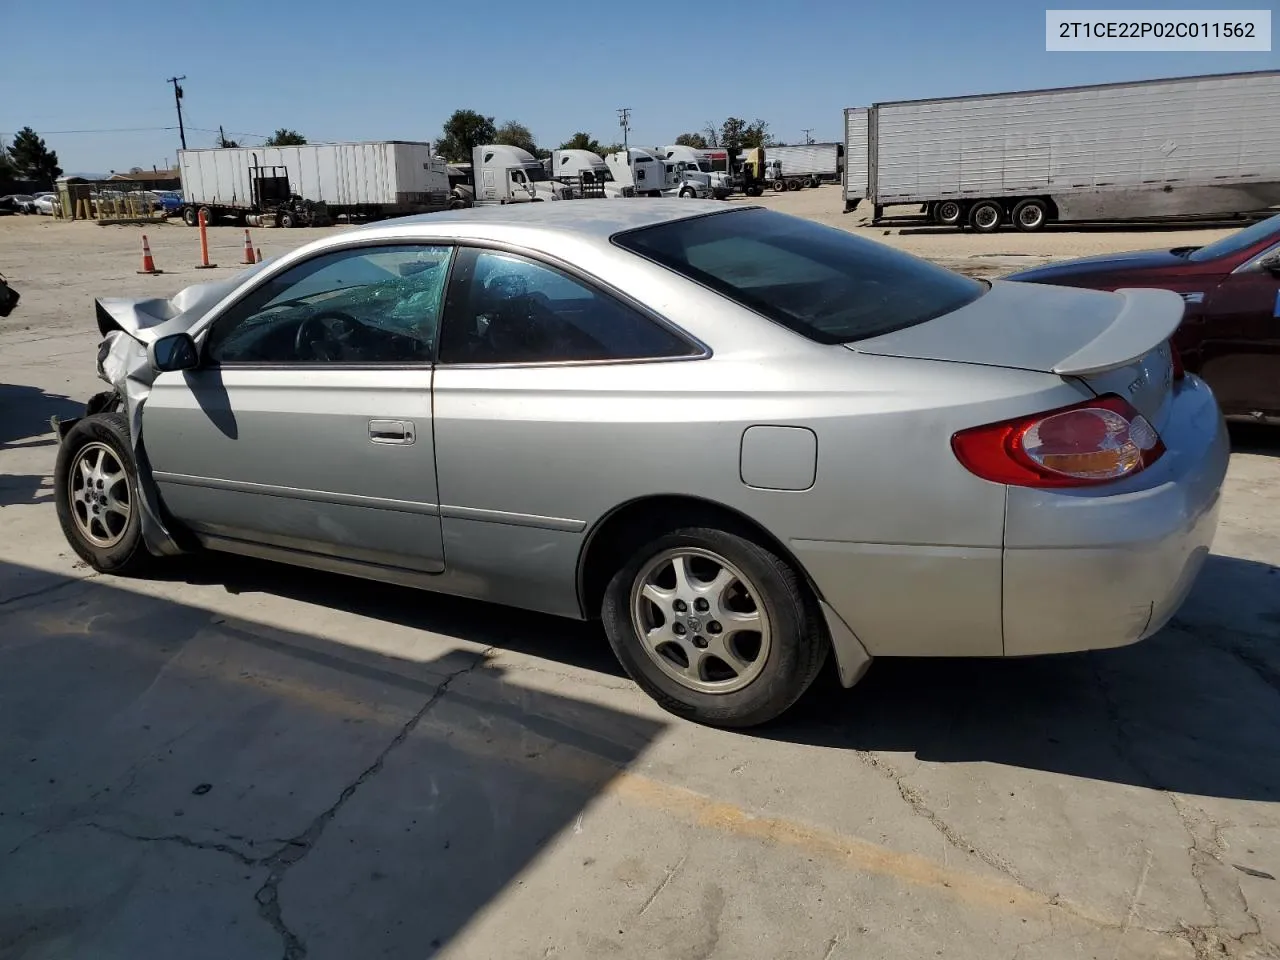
506 309
365 305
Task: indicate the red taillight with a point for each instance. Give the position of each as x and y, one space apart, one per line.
1088 443
1175 359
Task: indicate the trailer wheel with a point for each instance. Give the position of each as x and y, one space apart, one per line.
191 216
815 183
1030 215
948 213
985 216
795 185
779 185
209 217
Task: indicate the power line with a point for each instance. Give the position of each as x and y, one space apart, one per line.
53 133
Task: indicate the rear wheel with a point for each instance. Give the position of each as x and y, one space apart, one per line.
1030 215
985 216
96 489
779 185
191 216
948 213
714 627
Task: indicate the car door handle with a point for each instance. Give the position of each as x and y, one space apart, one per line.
391 431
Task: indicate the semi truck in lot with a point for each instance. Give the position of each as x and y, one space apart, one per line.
313 183
586 173
703 161
504 174
651 176
1185 147
804 165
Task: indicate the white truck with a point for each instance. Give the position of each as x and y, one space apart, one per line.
651 176
702 161
312 183
805 165
1204 146
586 173
504 174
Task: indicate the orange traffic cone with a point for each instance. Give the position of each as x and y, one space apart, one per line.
248 249
148 264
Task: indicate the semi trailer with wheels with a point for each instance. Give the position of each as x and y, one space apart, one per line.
1179 148
805 165
310 184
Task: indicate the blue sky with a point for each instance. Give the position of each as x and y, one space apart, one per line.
396 69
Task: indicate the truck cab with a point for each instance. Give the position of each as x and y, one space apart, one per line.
506 174
586 173
701 161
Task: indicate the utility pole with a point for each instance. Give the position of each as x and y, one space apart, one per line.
177 99
806 131
624 121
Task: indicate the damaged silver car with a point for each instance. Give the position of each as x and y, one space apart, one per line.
746 442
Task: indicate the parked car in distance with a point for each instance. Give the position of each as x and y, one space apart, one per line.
9 205
743 440
1230 335
170 201
46 204
24 203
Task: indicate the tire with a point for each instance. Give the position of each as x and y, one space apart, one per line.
755 192
949 213
779 185
287 220
795 184
100 443
788 652
687 194
191 216
985 216
1030 215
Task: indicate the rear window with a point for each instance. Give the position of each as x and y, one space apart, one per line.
823 283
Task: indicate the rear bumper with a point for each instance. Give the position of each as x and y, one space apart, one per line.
1085 570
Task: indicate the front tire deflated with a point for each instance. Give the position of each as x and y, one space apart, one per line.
715 627
96 489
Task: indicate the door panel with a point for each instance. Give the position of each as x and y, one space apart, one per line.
1241 346
308 424
287 457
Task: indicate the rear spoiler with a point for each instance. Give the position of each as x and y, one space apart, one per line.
1146 319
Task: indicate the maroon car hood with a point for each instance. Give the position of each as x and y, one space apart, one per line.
1102 264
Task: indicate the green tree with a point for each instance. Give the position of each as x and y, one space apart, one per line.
464 130
513 133
695 140
7 170
583 141
285 138
32 159
756 134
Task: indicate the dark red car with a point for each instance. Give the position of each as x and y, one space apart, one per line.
1230 334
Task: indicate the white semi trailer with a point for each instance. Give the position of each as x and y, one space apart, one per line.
307 184
805 165
1204 146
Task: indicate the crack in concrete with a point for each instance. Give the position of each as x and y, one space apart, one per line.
1220 891
180 840
61 585
295 850
916 802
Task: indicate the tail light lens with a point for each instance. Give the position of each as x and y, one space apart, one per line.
1088 443
1175 359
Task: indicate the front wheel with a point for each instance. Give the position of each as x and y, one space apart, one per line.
96 489
288 220
715 627
686 194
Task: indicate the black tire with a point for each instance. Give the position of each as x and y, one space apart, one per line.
985 216
796 651
128 555
779 185
210 216
755 192
948 213
1030 215
191 216
288 220
686 194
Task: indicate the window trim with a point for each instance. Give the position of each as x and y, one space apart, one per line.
210 320
698 349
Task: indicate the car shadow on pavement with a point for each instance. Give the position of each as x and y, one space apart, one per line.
1194 709
175 777
565 641
1255 438
25 412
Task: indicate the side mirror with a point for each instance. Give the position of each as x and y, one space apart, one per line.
174 352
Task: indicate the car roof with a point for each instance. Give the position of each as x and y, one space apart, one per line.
596 218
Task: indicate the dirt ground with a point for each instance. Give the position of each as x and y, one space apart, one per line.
235 759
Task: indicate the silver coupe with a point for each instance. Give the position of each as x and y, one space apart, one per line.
743 440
